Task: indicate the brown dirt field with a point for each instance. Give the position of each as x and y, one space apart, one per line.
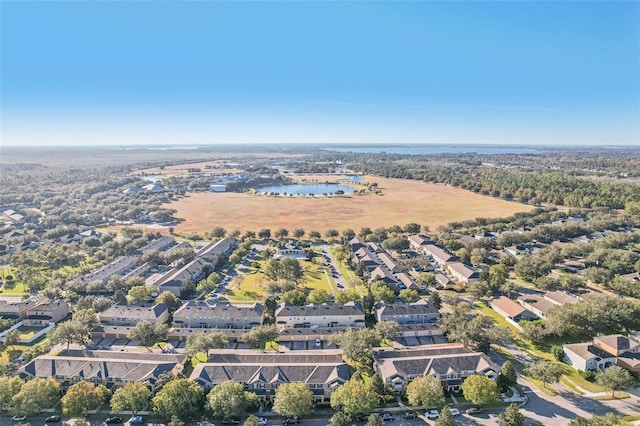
402 202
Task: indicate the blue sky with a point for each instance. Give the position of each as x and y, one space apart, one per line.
142 72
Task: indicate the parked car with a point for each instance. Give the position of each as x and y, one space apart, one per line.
473 410
52 419
386 417
113 420
231 421
262 421
431 414
454 411
136 420
17 418
409 415
291 421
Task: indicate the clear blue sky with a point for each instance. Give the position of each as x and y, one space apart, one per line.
139 72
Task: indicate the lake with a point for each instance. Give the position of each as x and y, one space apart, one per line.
306 189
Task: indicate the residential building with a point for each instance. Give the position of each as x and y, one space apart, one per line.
462 273
109 368
604 351
129 315
349 314
16 308
417 241
513 312
118 267
418 312
262 372
45 313
438 254
218 315
450 363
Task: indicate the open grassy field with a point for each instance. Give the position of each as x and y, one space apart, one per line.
401 202
251 285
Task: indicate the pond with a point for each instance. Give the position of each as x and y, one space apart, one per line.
306 189
352 179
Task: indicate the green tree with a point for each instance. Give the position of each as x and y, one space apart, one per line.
426 279
252 420
181 398
435 299
298 233
264 234
203 342
614 378
139 294
133 396
69 332
318 296
281 233
228 399
426 391
480 390
507 375
382 292
295 297
148 332
170 300
498 275
446 418
558 352
9 387
378 386
293 399
357 344
409 295
340 419
82 397
12 338
258 337
511 416
218 232
545 371
354 397
36 395
387 330
374 420
87 318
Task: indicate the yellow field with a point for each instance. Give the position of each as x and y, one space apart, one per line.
402 202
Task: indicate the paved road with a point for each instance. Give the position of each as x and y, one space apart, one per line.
334 269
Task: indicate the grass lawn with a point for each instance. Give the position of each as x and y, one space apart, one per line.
17 290
28 332
608 397
251 286
542 351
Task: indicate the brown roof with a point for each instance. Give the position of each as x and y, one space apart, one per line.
507 306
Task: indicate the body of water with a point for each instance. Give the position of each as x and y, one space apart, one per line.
306 189
352 179
437 149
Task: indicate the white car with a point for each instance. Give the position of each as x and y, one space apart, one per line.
454 411
431 414
262 421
